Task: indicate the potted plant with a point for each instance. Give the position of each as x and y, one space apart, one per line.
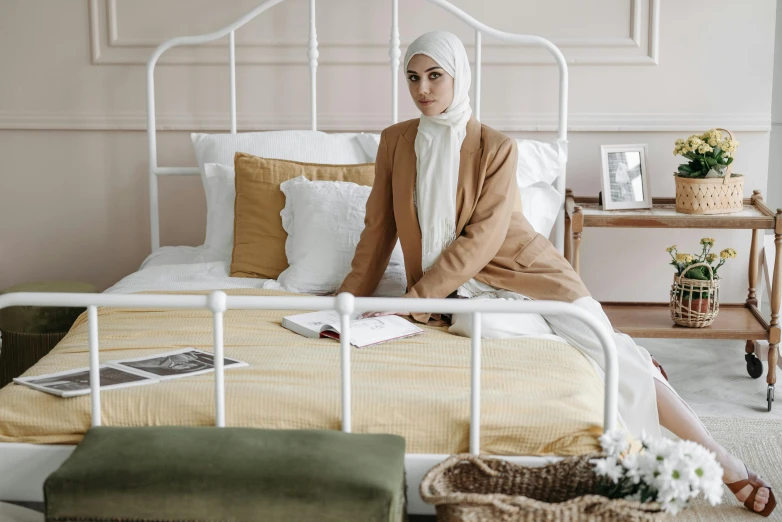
695 290
706 184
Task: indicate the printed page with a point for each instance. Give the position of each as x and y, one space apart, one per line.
364 332
77 382
314 322
171 365
374 330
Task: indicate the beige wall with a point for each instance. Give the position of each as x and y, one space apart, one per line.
73 186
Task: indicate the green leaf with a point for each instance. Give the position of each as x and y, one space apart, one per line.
700 273
711 162
685 168
730 160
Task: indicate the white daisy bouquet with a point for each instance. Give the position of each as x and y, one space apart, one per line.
666 471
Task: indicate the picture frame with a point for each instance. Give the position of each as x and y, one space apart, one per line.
625 179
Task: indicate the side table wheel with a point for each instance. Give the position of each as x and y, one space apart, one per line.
770 395
754 365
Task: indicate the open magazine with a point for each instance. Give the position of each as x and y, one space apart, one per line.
363 332
128 372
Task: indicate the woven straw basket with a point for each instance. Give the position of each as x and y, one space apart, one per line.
723 195
698 312
470 488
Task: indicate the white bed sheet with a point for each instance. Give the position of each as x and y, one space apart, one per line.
172 255
174 268
184 277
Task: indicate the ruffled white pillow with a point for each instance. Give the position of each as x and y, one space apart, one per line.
324 221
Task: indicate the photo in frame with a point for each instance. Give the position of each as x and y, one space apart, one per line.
625 180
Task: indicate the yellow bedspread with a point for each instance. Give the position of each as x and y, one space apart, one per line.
539 397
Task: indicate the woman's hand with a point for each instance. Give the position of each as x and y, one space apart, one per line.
367 315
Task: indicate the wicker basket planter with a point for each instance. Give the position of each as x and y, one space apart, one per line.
710 195
469 488
723 195
695 302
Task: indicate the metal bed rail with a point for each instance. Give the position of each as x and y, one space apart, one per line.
218 302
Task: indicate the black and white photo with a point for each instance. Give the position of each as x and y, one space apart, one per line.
129 372
77 382
176 364
625 179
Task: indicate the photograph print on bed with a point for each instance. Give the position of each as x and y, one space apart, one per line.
128 372
181 363
625 181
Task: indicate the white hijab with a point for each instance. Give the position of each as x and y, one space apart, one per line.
437 145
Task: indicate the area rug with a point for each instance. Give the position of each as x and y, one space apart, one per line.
759 444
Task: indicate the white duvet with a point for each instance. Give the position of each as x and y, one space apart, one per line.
173 269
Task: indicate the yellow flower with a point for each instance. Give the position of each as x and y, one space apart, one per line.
704 148
710 258
684 258
712 142
728 253
670 248
707 241
680 142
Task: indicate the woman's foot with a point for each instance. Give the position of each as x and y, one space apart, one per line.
744 483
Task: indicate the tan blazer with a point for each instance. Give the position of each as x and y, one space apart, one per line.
494 243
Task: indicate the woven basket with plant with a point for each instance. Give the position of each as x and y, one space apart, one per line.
694 295
705 184
619 485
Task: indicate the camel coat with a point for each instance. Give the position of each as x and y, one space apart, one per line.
495 244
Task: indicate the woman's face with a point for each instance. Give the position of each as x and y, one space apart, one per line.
430 86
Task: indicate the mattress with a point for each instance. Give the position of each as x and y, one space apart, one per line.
539 397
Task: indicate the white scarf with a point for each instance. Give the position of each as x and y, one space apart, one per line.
438 144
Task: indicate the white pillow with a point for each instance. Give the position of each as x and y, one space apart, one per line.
540 204
305 146
220 187
324 220
540 162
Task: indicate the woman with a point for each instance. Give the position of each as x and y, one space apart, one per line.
445 185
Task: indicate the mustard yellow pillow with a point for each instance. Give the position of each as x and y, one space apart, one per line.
259 239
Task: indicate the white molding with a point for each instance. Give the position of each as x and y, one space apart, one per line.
109 48
542 122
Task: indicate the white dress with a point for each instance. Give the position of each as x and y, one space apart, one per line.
637 395
637 401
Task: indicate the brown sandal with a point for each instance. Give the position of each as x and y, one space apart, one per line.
756 482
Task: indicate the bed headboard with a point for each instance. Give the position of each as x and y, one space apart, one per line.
312 53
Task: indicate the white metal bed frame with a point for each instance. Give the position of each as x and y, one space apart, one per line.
312 53
24 467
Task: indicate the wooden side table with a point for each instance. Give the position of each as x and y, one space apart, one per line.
734 321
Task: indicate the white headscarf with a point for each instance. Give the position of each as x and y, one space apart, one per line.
437 145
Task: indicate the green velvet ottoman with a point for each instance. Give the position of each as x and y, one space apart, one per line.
30 332
208 474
